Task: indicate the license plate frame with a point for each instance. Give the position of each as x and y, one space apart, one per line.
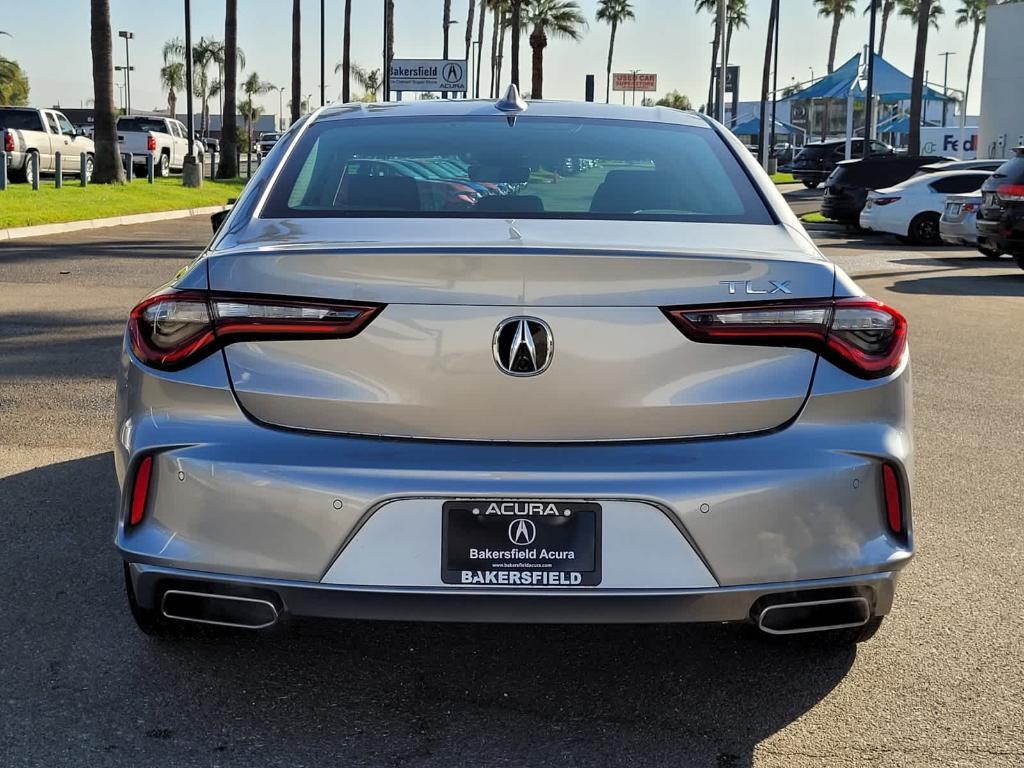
521 543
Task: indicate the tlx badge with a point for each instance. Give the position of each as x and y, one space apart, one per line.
747 287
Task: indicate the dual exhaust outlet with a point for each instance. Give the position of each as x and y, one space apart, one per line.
796 616
218 610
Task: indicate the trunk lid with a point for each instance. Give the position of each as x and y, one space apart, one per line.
426 367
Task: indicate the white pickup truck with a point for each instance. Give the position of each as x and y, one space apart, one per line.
164 138
25 131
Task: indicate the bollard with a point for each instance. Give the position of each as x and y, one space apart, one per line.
33 168
248 164
3 170
238 160
58 169
83 169
149 167
213 164
129 167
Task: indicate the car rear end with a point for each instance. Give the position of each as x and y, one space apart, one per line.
15 122
958 225
814 163
1000 220
639 394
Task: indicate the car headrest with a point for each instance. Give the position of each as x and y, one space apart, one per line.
380 193
510 204
628 191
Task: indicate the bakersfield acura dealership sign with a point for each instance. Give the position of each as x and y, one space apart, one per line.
429 75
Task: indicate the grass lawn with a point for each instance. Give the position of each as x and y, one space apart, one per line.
21 207
783 178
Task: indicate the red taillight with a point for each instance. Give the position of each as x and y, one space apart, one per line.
969 207
862 336
151 143
893 499
8 141
174 329
883 200
1010 192
140 490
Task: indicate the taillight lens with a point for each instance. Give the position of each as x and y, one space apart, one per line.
1010 192
893 499
151 143
969 207
140 490
884 200
861 335
173 329
8 141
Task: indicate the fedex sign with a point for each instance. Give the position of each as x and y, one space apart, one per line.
946 142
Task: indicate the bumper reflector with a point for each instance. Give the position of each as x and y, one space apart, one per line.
140 490
893 500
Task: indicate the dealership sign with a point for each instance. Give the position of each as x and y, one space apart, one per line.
429 75
946 141
629 81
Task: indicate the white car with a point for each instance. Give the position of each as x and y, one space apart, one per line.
911 209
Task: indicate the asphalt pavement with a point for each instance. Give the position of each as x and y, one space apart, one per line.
942 684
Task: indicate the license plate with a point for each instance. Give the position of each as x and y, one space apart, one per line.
521 543
953 209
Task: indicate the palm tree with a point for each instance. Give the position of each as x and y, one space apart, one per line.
207 51
736 17
296 57
446 25
909 9
711 6
172 77
886 7
369 80
251 111
838 10
14 86
228 167
107 161
925 19
389 6
496 15
470 17
517 32
551 18
346 55
480 48
613 12
971 12
505 8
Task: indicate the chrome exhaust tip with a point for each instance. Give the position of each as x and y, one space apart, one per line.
794 618
218 610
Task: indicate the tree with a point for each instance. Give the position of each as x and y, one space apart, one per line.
613 12
251 111
886 7
172 78
346 55
909 9
207 51
517 32
369 80
674 99
389 7
446 25
480 48
837 10
506 19
14 87
551 19
107 168
296 58
971 12
924 20
711 6
736 17
228 167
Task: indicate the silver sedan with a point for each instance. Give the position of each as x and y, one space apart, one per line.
632 390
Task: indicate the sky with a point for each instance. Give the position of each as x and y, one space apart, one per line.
668 38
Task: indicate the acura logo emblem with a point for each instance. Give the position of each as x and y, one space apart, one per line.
523 346
522 532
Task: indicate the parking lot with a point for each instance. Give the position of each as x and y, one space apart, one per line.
941 685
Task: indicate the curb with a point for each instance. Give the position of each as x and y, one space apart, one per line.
16 233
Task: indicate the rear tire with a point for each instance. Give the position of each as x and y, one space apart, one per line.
163 168
924 229
989 253
811 184
1018 259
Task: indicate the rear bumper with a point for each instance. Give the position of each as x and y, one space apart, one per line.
842 208
1006 234
314 600
806 174
963 232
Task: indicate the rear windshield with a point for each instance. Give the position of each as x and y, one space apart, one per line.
1011 171
20 119
816 150
876 174
270 137
141 124
538 167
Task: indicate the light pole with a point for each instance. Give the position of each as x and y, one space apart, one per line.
945 84
323 65
309 103
812 75
280 107
128 67
444 53
127 106
869 94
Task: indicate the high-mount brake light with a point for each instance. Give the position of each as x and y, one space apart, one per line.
860 335
173 329
1011 193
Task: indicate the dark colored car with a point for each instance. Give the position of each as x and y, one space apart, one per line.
816 161
846 189
1001 218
